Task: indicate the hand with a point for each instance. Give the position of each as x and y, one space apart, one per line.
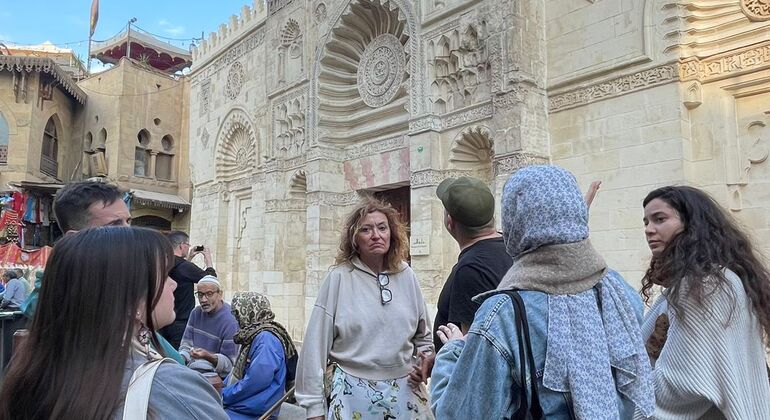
199 353
207 256
591 193
422 371
449 332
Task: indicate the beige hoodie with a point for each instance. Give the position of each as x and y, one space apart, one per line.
350 326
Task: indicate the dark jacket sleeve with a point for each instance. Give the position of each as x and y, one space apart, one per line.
188 272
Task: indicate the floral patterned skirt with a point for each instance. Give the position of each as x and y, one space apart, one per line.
358 399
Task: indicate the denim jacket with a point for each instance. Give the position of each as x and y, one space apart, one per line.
485 386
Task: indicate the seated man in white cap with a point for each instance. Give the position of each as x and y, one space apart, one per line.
207 344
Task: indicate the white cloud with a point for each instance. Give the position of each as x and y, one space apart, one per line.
170 28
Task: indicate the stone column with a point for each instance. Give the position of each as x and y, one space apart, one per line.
151 166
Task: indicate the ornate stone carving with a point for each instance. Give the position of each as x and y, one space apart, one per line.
433 177
298 183
204 97
275 5
320 12
289 125
205 138
505 165
376 147
284 205
381 70
757 10
459 67
751 58
472 148
237 147
290 62
618 86
339 115
331 199
235 79
233 53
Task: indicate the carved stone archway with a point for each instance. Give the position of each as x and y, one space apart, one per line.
236 153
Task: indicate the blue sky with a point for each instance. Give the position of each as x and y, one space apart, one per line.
29 22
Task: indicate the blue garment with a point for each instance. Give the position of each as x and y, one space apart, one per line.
16 292
263 382
584 318
489 364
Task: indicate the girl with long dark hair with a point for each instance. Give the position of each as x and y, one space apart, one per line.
105 290
716 302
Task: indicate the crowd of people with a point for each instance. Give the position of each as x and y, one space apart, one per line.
530 323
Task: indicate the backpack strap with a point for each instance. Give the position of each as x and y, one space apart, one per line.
138 393
529 405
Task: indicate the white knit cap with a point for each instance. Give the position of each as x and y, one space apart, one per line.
211 280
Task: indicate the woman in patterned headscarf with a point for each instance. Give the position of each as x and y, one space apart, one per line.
266 362
588 357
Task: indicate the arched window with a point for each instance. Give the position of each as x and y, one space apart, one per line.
142 154
4 134
49 164
164 169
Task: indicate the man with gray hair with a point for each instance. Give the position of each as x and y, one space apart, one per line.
207 344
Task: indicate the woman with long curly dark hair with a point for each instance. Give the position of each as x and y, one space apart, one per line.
716 303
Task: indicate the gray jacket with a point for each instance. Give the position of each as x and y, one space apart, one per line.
177 393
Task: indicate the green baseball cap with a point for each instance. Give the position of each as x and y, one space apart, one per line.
468 200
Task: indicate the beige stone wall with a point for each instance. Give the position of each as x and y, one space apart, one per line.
689 110
26 122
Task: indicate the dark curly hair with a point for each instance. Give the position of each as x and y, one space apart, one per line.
711 240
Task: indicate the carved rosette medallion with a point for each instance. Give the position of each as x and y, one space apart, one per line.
381 70
756 10
235 79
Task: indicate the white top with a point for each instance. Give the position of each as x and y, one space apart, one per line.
712 365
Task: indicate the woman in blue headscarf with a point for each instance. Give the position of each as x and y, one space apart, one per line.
583 319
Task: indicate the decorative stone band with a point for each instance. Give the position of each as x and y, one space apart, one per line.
734 63
433 177
206 70
285 205
615 87
508 164
462 116
323 198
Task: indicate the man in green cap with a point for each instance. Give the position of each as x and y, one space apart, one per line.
469 216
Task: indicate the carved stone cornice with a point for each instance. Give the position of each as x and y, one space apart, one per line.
323 198
453 119
284 205
753 58
615 87
433 177
376 147
507 164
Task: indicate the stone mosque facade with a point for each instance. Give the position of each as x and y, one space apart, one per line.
300 108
